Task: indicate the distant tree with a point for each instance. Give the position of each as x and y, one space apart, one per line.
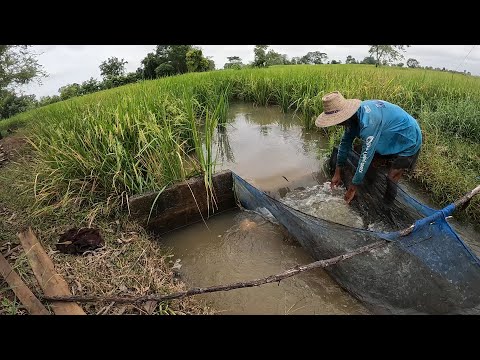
260 52
288 61
164 69
412 63
305 59
90 86
112 67
400 64
274 58
120 80
369 60
18 66
234 62
335 62
46 100
314 57
174 55
350 60
387 53
150 63
12 104
69 91
132 77
211 63
139 73
195 61
235 66
317 57
296 60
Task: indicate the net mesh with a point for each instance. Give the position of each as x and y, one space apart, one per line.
430 270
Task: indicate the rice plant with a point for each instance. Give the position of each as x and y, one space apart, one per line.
103 147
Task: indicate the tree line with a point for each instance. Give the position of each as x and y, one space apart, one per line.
379 55
19 66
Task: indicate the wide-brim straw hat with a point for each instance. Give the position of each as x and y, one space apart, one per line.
337 109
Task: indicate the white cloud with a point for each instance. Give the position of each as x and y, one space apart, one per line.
68 64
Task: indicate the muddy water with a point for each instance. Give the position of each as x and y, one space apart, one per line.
241 246
274 153
270 149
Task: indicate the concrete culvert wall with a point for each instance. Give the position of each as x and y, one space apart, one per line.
179 204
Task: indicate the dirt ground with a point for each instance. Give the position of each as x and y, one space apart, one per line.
12 146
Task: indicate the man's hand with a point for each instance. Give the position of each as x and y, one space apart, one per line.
337 179
350 194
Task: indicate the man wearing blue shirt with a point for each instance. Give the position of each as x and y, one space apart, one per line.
384 128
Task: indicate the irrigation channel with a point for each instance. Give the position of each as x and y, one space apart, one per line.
272 151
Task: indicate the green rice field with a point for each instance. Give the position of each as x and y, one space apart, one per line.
99 149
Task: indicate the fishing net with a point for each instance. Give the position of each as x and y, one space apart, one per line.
428 271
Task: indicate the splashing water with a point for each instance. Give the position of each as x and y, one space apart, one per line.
379 226
322 202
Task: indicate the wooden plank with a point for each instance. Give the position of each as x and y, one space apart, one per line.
26 297
51 283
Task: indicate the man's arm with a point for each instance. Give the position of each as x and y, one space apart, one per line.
372 133
343 149
345 146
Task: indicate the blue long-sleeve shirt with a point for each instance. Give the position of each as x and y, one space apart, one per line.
384 128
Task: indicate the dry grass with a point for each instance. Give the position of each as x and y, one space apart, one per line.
130 263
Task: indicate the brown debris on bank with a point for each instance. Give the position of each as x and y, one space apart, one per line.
77 241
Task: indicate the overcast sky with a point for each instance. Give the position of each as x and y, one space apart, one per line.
68 64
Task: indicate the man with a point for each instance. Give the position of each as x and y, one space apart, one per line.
384 128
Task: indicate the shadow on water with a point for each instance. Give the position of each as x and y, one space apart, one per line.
224 149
